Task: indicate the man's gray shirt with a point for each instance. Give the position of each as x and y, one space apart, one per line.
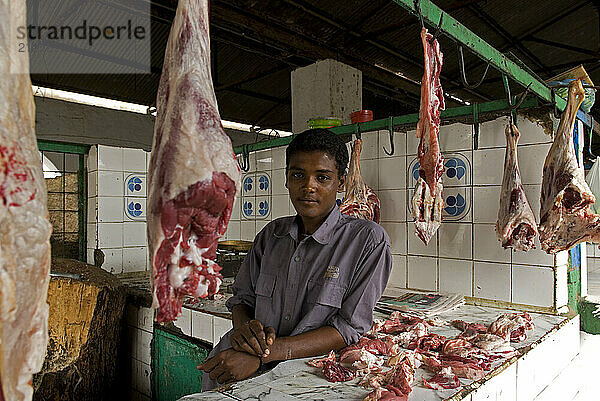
333 277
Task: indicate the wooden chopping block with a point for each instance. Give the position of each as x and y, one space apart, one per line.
86 307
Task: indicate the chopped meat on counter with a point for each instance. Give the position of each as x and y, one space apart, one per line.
368 363
512 326
385 345
320 362
490 342
443 380
389 393
429 342
469 330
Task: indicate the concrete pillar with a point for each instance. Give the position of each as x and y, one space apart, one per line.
326 88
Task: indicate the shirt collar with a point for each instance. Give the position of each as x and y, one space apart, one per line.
322 235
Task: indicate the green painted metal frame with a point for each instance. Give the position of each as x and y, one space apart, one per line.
81 150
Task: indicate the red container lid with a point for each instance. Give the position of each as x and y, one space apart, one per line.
361 116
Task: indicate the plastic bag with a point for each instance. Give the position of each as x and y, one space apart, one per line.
593 180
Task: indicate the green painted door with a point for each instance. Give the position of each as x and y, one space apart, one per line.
174 366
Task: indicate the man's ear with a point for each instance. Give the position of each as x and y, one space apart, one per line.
342 184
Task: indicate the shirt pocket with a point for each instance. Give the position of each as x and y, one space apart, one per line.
265 285
327 293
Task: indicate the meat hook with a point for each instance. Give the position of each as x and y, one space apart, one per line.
245 159
555 110
463 76
418 11
512 107
438 30
391 132
357 131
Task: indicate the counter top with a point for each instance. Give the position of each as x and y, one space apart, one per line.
295 380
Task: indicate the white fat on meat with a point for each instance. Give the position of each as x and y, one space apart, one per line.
368 363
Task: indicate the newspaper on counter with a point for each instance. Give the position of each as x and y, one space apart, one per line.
418 303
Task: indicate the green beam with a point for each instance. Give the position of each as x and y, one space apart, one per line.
458 32
383 124
65 147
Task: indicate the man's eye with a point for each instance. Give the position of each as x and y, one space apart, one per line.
297 175
324 178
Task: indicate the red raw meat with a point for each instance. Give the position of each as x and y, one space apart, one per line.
320 362
565 215
512 326
427 202
469 330
193 174
429 342
334 372
377 346
442 380
360 200
389 393
516 226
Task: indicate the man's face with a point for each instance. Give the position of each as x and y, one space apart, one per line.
312 181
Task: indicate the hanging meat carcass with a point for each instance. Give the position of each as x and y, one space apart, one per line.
566 218
360 200
24 226
516 226
427 202
193 174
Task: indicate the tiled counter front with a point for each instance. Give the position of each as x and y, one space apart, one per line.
547 351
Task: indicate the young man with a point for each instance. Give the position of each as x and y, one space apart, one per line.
310 281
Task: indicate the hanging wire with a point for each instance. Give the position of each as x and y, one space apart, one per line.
463 76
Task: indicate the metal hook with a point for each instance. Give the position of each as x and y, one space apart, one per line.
438 30
357 131
391 132
463 76
244 163
418 11
512 107
555 110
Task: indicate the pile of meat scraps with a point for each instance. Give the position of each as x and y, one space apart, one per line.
386 357
193 174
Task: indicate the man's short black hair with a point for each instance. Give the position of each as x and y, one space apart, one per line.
319 139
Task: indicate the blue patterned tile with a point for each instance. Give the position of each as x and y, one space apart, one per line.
135 209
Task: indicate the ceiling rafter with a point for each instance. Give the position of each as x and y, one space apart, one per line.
564 46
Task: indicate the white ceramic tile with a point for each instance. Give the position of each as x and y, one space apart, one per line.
456 137
398 274
412 142
233 230
422 273
486 245
260 224
145 319
491 281
264 160
417 247
488 166
369 169
202 326
532 132
144 387
399 143
144 350
591 249
92 210
561 258
113 260
92 235
263 183
456 276
110 183
92 184
531 162
561 288
491 133
110 235
148 158
134 209
392 173
397 234
393 205
184 321
132 339
370 146
248 185
455 240
220 327
535 256
110 209
235 210
110 158
134 160
278 182
90 256
457 204
486 201
281 206
457 169
135 184
134 233
278 157
533 285
248 230
134 259
92 159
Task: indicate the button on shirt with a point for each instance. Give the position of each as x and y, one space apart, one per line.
333 277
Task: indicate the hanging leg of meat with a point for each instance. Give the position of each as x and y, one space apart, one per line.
516 225
360 200
565 215
193 174
24 226
427 202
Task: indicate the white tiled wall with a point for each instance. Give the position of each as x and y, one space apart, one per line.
465 255
139 327
116 207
